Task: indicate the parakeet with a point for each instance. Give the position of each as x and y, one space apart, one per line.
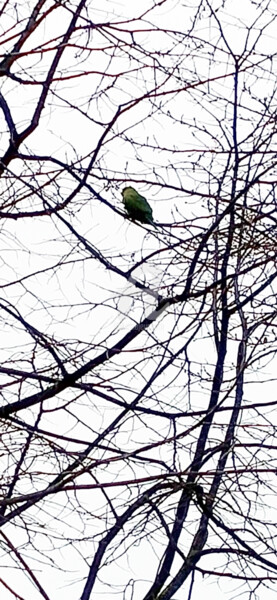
137 206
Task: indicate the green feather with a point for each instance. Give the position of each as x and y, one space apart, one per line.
137 206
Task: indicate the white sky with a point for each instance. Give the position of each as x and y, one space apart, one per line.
66 134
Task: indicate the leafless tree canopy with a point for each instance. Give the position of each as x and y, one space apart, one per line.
138 369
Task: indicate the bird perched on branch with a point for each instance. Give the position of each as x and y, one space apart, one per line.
137 206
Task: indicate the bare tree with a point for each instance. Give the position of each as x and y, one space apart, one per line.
138 365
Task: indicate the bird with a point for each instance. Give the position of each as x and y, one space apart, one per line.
137 207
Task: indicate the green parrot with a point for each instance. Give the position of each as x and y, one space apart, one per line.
137 206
